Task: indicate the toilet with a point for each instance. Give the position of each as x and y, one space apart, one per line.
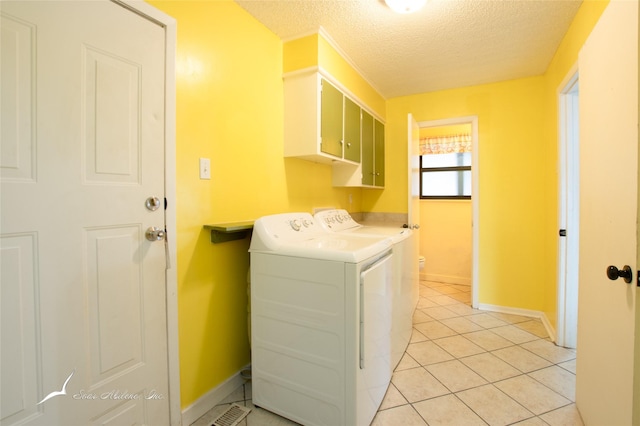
421 262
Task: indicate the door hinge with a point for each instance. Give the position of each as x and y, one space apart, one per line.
563 232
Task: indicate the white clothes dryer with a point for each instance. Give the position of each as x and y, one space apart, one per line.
405 287
321 321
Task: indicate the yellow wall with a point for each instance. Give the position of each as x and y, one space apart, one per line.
517 123
510 165
454 129
300 53
315 51
229 109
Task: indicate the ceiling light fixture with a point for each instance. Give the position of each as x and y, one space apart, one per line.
405 6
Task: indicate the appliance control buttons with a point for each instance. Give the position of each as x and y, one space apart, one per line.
295 224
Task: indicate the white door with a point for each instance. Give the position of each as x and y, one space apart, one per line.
569 217
414 172
83 292
608 310
413 204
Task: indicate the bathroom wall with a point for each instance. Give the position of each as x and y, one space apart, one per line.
446 228
445 240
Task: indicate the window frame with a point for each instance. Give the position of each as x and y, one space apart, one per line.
443 169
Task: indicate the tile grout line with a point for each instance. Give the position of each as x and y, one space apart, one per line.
513 323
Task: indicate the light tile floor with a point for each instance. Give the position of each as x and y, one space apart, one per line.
464 367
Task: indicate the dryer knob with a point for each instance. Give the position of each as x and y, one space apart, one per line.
295 224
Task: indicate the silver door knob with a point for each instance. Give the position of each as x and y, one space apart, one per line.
152 203
154 234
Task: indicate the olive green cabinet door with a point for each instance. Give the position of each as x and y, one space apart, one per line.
367 148
378 153
351 130
331 120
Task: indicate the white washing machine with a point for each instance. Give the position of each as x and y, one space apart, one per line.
405 288
321 321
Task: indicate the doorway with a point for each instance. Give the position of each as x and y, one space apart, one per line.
472 122
569 212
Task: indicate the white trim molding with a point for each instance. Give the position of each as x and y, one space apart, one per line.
449 279
212 398
524 313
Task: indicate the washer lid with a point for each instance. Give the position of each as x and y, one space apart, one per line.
340 247
396 234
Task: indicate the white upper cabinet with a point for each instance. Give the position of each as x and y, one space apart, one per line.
324 125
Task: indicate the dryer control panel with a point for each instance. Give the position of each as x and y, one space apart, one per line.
336 220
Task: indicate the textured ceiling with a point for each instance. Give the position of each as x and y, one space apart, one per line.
446 44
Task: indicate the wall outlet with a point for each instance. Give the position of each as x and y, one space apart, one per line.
205 168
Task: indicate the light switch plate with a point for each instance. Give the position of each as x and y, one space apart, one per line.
205 168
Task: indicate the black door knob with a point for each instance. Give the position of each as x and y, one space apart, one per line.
614 273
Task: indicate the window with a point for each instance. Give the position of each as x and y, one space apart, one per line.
445 176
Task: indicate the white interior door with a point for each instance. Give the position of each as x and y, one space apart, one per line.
413 204
569 217
83 291
414 172
607 313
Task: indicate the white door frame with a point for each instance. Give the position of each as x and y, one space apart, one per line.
475 194
169 24
568 210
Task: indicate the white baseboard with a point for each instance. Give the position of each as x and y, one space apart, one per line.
449 279
212 398
525 313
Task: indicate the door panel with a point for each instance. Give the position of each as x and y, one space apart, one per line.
367 148
111 110
378 153
85 144
17 159
115 295
20 328
331 119
351 130
608 68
